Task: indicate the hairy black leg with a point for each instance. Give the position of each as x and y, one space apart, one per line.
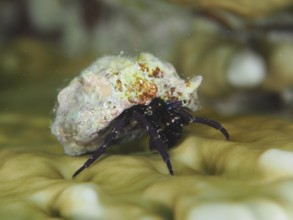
118 125
213 124
186 117
157 140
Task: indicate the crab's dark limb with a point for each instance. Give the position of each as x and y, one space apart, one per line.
213 124
118 126
188 118
92 158
164 154
152 128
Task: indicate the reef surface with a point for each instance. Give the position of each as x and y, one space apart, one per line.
249 177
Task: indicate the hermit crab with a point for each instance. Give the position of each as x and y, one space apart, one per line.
119 98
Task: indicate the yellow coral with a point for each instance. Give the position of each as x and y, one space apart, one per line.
249 177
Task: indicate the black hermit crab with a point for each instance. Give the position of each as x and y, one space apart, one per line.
119 98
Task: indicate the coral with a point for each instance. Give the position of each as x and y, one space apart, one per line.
249 177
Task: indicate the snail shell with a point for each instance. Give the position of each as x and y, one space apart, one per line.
88 105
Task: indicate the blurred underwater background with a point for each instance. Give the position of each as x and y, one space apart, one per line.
243 50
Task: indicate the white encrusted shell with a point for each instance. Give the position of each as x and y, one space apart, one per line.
108 87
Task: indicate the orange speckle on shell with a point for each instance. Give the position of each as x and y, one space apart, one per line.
170 94
157 73
143 67
119 85
144 90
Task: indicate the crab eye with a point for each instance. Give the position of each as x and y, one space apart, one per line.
184 102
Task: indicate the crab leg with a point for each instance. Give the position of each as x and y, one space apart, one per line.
118 126
202 120
211 123
152 128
